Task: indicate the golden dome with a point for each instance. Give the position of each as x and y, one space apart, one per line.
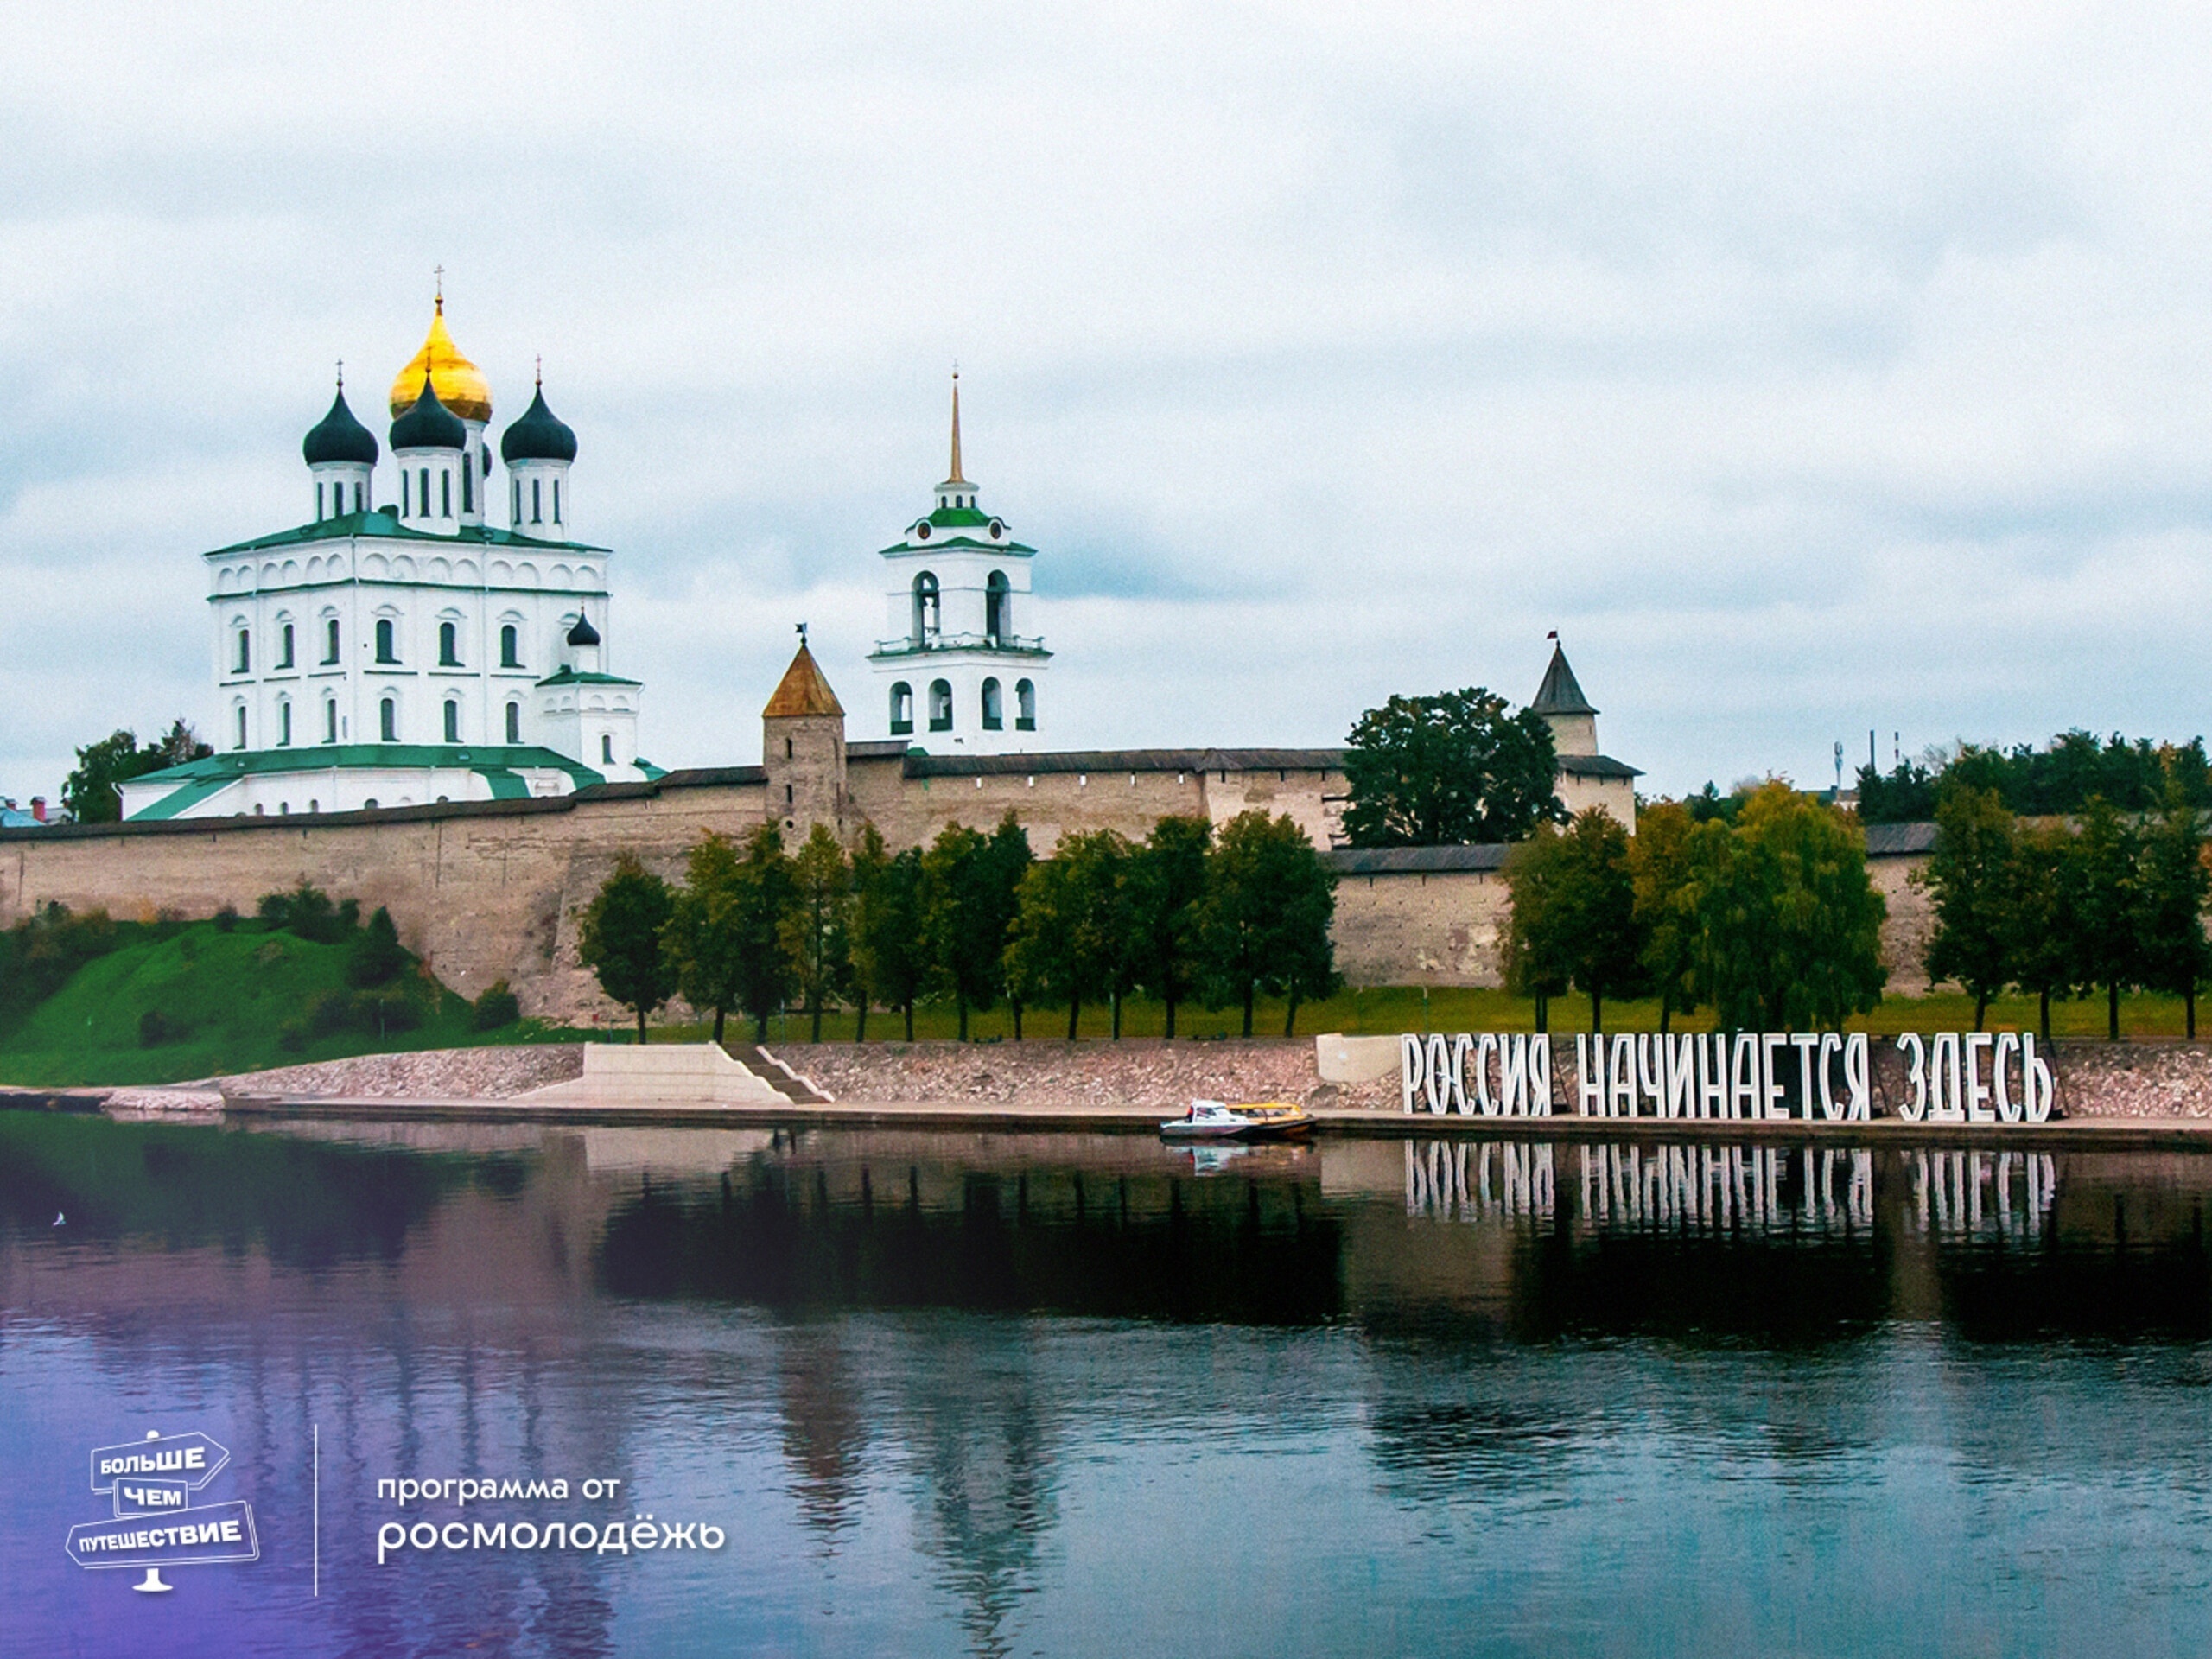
460 387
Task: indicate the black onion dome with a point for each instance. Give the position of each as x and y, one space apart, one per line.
538 436
428 425
338 436
584 634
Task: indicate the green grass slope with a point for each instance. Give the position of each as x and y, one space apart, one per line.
228 995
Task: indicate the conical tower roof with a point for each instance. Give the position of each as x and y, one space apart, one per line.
1560 694
803 690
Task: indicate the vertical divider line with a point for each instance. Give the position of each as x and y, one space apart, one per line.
317 1522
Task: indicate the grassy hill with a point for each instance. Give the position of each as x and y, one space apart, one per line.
223 1000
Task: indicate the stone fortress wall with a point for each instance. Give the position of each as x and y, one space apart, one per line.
495 889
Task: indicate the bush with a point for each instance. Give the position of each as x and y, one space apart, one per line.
327 1012
307 911
376 957
156 1028
386 1010
496 1007
227 919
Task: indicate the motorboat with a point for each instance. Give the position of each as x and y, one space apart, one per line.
1214 1120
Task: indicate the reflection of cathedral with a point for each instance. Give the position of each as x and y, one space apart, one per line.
406 651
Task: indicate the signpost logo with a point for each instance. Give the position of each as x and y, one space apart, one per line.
160 1520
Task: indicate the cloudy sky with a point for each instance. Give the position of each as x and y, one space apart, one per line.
1810 368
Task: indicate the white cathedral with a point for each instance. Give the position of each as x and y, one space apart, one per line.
394 653
390 654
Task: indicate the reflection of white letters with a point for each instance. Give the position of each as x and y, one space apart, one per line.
1412 1067
1915 1052
2008 1045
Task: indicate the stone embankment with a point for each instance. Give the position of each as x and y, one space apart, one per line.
429 1074
2096 1080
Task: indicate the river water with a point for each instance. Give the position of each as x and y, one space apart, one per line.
947 1393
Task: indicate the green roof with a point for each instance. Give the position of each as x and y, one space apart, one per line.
382 523
959 517
1016 548
575 677
496 763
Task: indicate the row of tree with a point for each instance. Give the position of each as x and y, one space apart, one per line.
1768 917
2061 777
973 918
2106 901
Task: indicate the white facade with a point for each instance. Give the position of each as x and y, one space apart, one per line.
954 673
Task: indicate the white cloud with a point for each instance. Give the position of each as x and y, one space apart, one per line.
1811 368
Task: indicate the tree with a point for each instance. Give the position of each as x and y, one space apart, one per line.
1261 923
968 882
1454 768
2102 861
2172 886
815 932
620 940
1790 927
1070 938
1660 873
89 794
376 957
764 897
889 949
1574 913
1972 877
1166 875
2039 919
701 939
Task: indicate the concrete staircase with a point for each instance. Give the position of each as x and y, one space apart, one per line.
791 1084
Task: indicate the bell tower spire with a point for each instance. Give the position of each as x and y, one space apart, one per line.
956 476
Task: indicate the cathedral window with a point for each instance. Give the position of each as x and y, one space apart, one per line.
510 646
423 493
557 500
453 721
467 487
330 640
536 503
1025 705
246 650
330 720
993 721
388 720
449 645
516 517
995 606
940 706
284 647
241 727
318 504
359 497
284 725
902 709
607 749
445 494
514 722
928 613
403 492
385 651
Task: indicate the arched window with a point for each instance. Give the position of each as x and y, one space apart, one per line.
453 721
330 720
283 724
403 492
940 705
557 500
445 494
514 722
510 646
359 499
423 493
246 650
516 517
606 747
385 650
388 720
536 504
449 645
992 719
927 614
467 486
318 504
330 640
1025 705
241 726
284 647
997 608
902 709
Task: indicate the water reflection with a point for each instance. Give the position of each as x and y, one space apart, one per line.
982 1392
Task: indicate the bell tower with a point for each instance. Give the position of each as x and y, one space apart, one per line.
803 751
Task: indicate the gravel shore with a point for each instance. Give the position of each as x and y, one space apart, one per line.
427 1074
